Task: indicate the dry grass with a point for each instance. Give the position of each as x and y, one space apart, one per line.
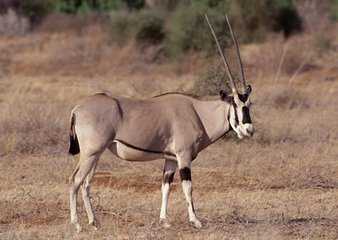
282 184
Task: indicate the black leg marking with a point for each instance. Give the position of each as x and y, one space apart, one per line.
168 177
185 174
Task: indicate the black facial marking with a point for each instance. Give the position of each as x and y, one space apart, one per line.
243 97
185 174
246 115
168 177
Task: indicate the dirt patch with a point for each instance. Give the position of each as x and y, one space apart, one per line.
140 183
146 183
212 181
34 213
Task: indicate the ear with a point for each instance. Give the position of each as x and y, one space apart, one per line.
248 90
224 96
244 97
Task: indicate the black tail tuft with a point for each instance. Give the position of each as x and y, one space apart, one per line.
74 147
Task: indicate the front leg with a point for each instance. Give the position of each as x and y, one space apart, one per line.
185 174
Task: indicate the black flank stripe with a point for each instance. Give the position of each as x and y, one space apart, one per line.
145 150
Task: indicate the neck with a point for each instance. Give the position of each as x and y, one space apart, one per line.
214 117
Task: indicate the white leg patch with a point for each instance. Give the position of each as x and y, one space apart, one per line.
165 196
187 190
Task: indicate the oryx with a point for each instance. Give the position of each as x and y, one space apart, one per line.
173 127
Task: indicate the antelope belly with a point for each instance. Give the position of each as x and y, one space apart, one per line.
132 154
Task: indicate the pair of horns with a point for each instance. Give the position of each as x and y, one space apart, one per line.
225 62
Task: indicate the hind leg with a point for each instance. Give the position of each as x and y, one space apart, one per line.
168 177
85 188
85 165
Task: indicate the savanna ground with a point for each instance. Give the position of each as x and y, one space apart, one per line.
281 184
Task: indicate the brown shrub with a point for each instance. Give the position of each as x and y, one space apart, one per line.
31 128
315 14
60 22
211 81
277 58
12 24
285 97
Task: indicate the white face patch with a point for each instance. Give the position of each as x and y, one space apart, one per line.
240 119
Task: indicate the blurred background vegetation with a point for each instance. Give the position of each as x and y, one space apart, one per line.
57 51
177 25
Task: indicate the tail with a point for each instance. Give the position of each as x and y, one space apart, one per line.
74 147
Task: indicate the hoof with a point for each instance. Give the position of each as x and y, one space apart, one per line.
78 227
196 224
164 223
94 225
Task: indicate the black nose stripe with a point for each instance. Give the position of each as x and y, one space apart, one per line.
246 115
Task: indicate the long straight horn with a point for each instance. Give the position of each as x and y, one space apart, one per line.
234 39
226 65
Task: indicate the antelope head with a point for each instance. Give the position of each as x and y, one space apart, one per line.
239 112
